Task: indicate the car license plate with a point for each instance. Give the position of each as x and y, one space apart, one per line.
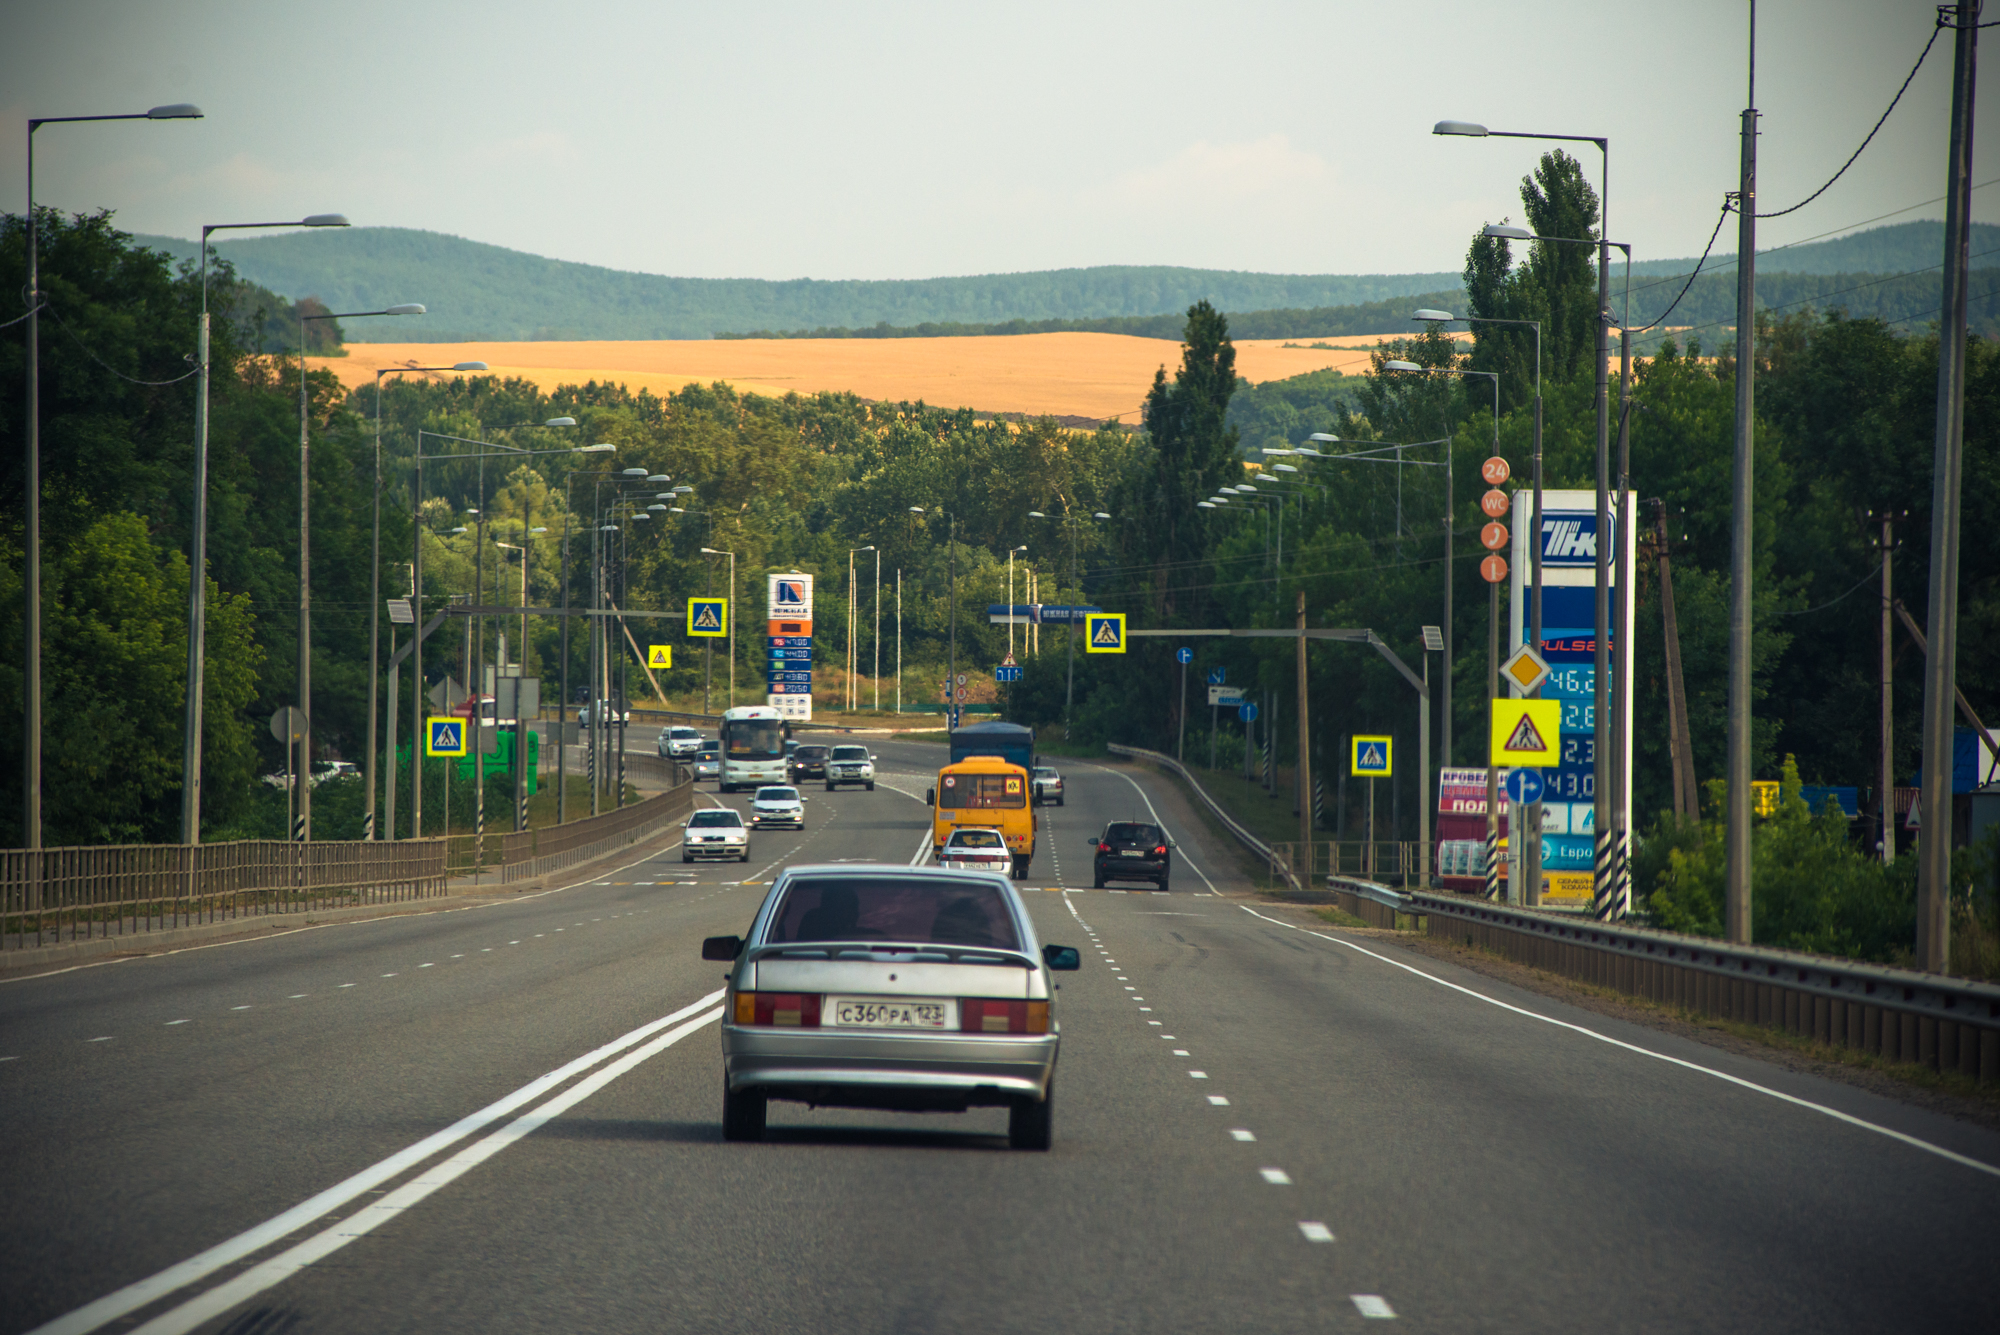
1131 853
890 1013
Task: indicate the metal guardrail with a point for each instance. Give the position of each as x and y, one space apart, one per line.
1950 1024
1387 859
59 895
531 853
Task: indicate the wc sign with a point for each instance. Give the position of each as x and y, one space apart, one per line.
791 597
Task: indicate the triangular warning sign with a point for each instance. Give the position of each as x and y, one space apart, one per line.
1525 737
1372 758
659 655
708 618
1106 633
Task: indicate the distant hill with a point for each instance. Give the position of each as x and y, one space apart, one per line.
476 291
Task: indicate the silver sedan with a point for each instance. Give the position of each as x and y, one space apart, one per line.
915 989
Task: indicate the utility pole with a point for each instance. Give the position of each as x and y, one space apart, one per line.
1305 755
1736 875
1687 801
1885 787
1940 662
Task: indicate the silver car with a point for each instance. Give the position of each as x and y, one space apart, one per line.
778 804
914 989
715 832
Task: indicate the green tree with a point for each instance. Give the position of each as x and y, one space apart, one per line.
1193 447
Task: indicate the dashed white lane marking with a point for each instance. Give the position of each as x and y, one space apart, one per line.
1180 1052
1241 1133
513 943
1145 1008
226 1254
1315 1231
486 950
1277 1177
1155 1022
426 966
239 1008
346 985
16 1057
171 1023
458 956
298 996
1218 1100
1724 1076
1372 1305
104 1039
1197 1075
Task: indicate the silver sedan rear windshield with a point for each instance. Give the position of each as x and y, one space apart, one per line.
933 910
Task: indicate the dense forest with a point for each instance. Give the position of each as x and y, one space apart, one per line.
1844 427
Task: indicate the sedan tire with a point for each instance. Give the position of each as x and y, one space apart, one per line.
1030 1122
744 1112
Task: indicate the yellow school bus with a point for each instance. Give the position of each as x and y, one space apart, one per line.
985 791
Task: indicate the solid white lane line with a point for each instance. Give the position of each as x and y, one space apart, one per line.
1724 1076
279 1268
1315 1231
136 1295
1372 1305
1277 1177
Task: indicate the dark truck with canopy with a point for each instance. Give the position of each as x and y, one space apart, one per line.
1004 741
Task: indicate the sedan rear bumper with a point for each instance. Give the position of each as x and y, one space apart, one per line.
889 1070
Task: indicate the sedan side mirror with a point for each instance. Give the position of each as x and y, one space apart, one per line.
1061 957
729 947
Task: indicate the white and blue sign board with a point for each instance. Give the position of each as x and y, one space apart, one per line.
1217 676
1569 644
1007 674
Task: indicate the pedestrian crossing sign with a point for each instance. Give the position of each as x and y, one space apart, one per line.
1104 632
659 655
1372 758
708 618
444 737
1527 732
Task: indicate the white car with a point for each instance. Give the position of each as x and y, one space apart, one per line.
334 769
612 714
778 805
850 764
977 848
717 832
708 762
679 741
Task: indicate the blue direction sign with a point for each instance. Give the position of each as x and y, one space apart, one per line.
1524 785
1007 674
1247 712
1217 676
1184 656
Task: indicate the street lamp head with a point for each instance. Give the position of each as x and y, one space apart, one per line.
916 509
1471 128
1022 548
325 220
607 528
656 507
175 111
1204 505
1284 468
595 449
658 478
1036 514
1322 435
407 308
642 515
538 530
1506 233
1100 515
1428 314
634 472
468 366
454 532
710 551
1401 366
683 490
560 421
676 509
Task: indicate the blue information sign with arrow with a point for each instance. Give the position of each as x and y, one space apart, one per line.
1218 676
1247 712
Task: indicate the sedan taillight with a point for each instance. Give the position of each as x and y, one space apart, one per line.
1104 848
784 1010
977 1015
1160 852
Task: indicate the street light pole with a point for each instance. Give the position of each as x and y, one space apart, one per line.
302 821
716 551
31 779
375 599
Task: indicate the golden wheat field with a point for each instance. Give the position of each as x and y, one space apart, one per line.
1067 374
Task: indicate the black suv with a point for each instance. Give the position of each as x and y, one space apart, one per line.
809 762
1131 851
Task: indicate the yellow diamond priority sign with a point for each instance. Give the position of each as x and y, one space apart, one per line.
1527 733
1525 669
1104 632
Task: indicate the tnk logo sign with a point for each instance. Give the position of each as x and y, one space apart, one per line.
1569 539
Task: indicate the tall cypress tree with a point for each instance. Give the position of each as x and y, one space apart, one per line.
1194 450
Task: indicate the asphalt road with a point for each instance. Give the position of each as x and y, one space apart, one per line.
506 1118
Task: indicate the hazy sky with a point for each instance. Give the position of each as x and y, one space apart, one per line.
891 140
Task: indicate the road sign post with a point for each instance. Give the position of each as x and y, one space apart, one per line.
1183 656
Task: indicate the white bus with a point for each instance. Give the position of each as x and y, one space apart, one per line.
753 748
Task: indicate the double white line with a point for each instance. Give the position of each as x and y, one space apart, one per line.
266 1274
